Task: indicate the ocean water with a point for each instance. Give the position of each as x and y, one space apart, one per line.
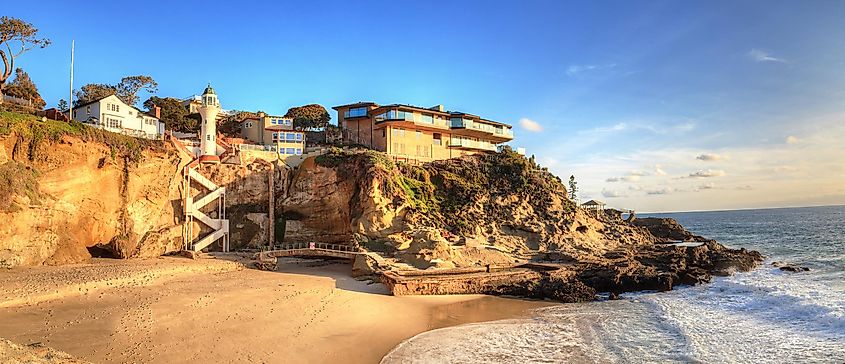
762 316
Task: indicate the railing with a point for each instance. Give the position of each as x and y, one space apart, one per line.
324 246
472 144
17 100
481 126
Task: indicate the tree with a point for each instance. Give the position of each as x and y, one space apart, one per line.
93 91
62 105
573 188
128 88
173 114
23 87
307 117
24 37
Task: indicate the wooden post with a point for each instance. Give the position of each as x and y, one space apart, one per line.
271 208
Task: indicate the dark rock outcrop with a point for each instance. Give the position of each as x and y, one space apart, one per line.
666 229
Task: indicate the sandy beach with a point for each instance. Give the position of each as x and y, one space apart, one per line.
170 310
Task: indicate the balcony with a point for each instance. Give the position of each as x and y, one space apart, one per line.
472 144
481 129
408 118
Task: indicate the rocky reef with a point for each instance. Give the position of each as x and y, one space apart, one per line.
499 210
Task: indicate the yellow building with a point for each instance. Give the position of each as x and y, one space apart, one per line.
423 134
274 132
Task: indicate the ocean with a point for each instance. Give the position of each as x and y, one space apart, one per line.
762 316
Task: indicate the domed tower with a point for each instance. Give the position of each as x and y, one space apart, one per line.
208 110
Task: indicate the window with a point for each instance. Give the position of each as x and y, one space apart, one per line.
290 137
298 137
113 123
290 151
88 110
383 133
208 137
248 124
74 113
437 139
426 118
298 151
355 112
275 136
419 134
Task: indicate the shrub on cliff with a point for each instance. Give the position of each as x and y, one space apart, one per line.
458 194
38 134
17 179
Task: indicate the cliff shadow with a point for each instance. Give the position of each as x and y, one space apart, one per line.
338 270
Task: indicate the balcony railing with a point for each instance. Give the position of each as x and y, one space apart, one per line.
474 144
482 127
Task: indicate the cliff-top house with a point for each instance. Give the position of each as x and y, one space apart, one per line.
273 131
417 133
112 114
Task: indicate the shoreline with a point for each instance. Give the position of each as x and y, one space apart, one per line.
177 310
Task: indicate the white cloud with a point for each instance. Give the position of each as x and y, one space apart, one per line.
661 191
792 140
708 157
706 173
612 193
760 55
628 178
576 69
638 173
658 171
706 186
530 125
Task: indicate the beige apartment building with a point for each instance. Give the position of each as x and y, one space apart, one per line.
416 133
274 132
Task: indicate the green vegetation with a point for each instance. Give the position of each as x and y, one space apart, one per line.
457 194
17 179
39 134
309 117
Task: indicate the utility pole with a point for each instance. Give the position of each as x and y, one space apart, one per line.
70 100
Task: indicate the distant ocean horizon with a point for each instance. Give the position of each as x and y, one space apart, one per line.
762 316
660 213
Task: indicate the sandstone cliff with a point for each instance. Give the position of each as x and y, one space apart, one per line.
70 191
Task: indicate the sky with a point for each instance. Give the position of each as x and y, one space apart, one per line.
651 105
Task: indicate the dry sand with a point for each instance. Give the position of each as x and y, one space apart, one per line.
171 310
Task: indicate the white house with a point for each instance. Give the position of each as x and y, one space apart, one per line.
112 114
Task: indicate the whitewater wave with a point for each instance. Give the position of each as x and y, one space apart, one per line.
764 316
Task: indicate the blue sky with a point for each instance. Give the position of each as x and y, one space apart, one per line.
653 105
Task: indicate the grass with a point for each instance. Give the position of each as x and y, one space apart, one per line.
17 179
40 133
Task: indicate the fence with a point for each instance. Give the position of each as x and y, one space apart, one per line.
17 100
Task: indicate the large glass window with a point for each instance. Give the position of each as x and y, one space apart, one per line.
426 118
290 151
355 112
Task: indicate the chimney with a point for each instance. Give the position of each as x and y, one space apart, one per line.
437 108
261 115
157 111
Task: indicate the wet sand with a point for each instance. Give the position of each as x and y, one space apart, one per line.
171 310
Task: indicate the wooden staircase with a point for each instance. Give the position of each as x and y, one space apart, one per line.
193 211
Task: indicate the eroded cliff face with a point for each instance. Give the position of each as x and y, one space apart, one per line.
459 212
87 198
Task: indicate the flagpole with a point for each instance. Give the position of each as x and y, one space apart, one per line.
70 100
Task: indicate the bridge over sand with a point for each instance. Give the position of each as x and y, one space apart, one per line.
317 250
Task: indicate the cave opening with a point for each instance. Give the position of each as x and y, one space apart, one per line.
98 251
